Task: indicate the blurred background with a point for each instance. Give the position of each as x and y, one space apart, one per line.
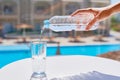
33 12
22 20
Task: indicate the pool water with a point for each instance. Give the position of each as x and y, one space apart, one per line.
12 53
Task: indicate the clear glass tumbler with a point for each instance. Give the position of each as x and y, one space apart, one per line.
38 51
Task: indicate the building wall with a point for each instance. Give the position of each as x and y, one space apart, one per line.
9 14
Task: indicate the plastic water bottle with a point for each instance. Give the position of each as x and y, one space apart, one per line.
69 23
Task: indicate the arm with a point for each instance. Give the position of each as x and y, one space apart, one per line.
105 12
99 13
112 9
115 8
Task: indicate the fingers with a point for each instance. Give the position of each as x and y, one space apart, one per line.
87 10
74 13
91 24
79 10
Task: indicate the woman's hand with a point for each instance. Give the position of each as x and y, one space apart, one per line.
99 14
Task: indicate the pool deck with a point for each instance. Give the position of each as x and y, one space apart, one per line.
66 41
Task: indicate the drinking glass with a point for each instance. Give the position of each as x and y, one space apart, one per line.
38 51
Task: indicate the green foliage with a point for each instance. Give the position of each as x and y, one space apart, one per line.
115 24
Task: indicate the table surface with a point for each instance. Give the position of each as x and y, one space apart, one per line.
60 66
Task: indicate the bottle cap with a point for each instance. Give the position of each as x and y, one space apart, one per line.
46 23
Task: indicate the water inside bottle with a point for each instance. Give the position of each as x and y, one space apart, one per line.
69 23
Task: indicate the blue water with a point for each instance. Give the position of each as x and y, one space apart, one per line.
12 53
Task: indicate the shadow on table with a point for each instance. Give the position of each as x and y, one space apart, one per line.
90 76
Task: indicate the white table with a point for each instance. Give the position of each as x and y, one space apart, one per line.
59 66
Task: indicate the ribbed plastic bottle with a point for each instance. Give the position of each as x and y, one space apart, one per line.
69 23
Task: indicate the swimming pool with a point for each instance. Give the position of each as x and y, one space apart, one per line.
12 53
